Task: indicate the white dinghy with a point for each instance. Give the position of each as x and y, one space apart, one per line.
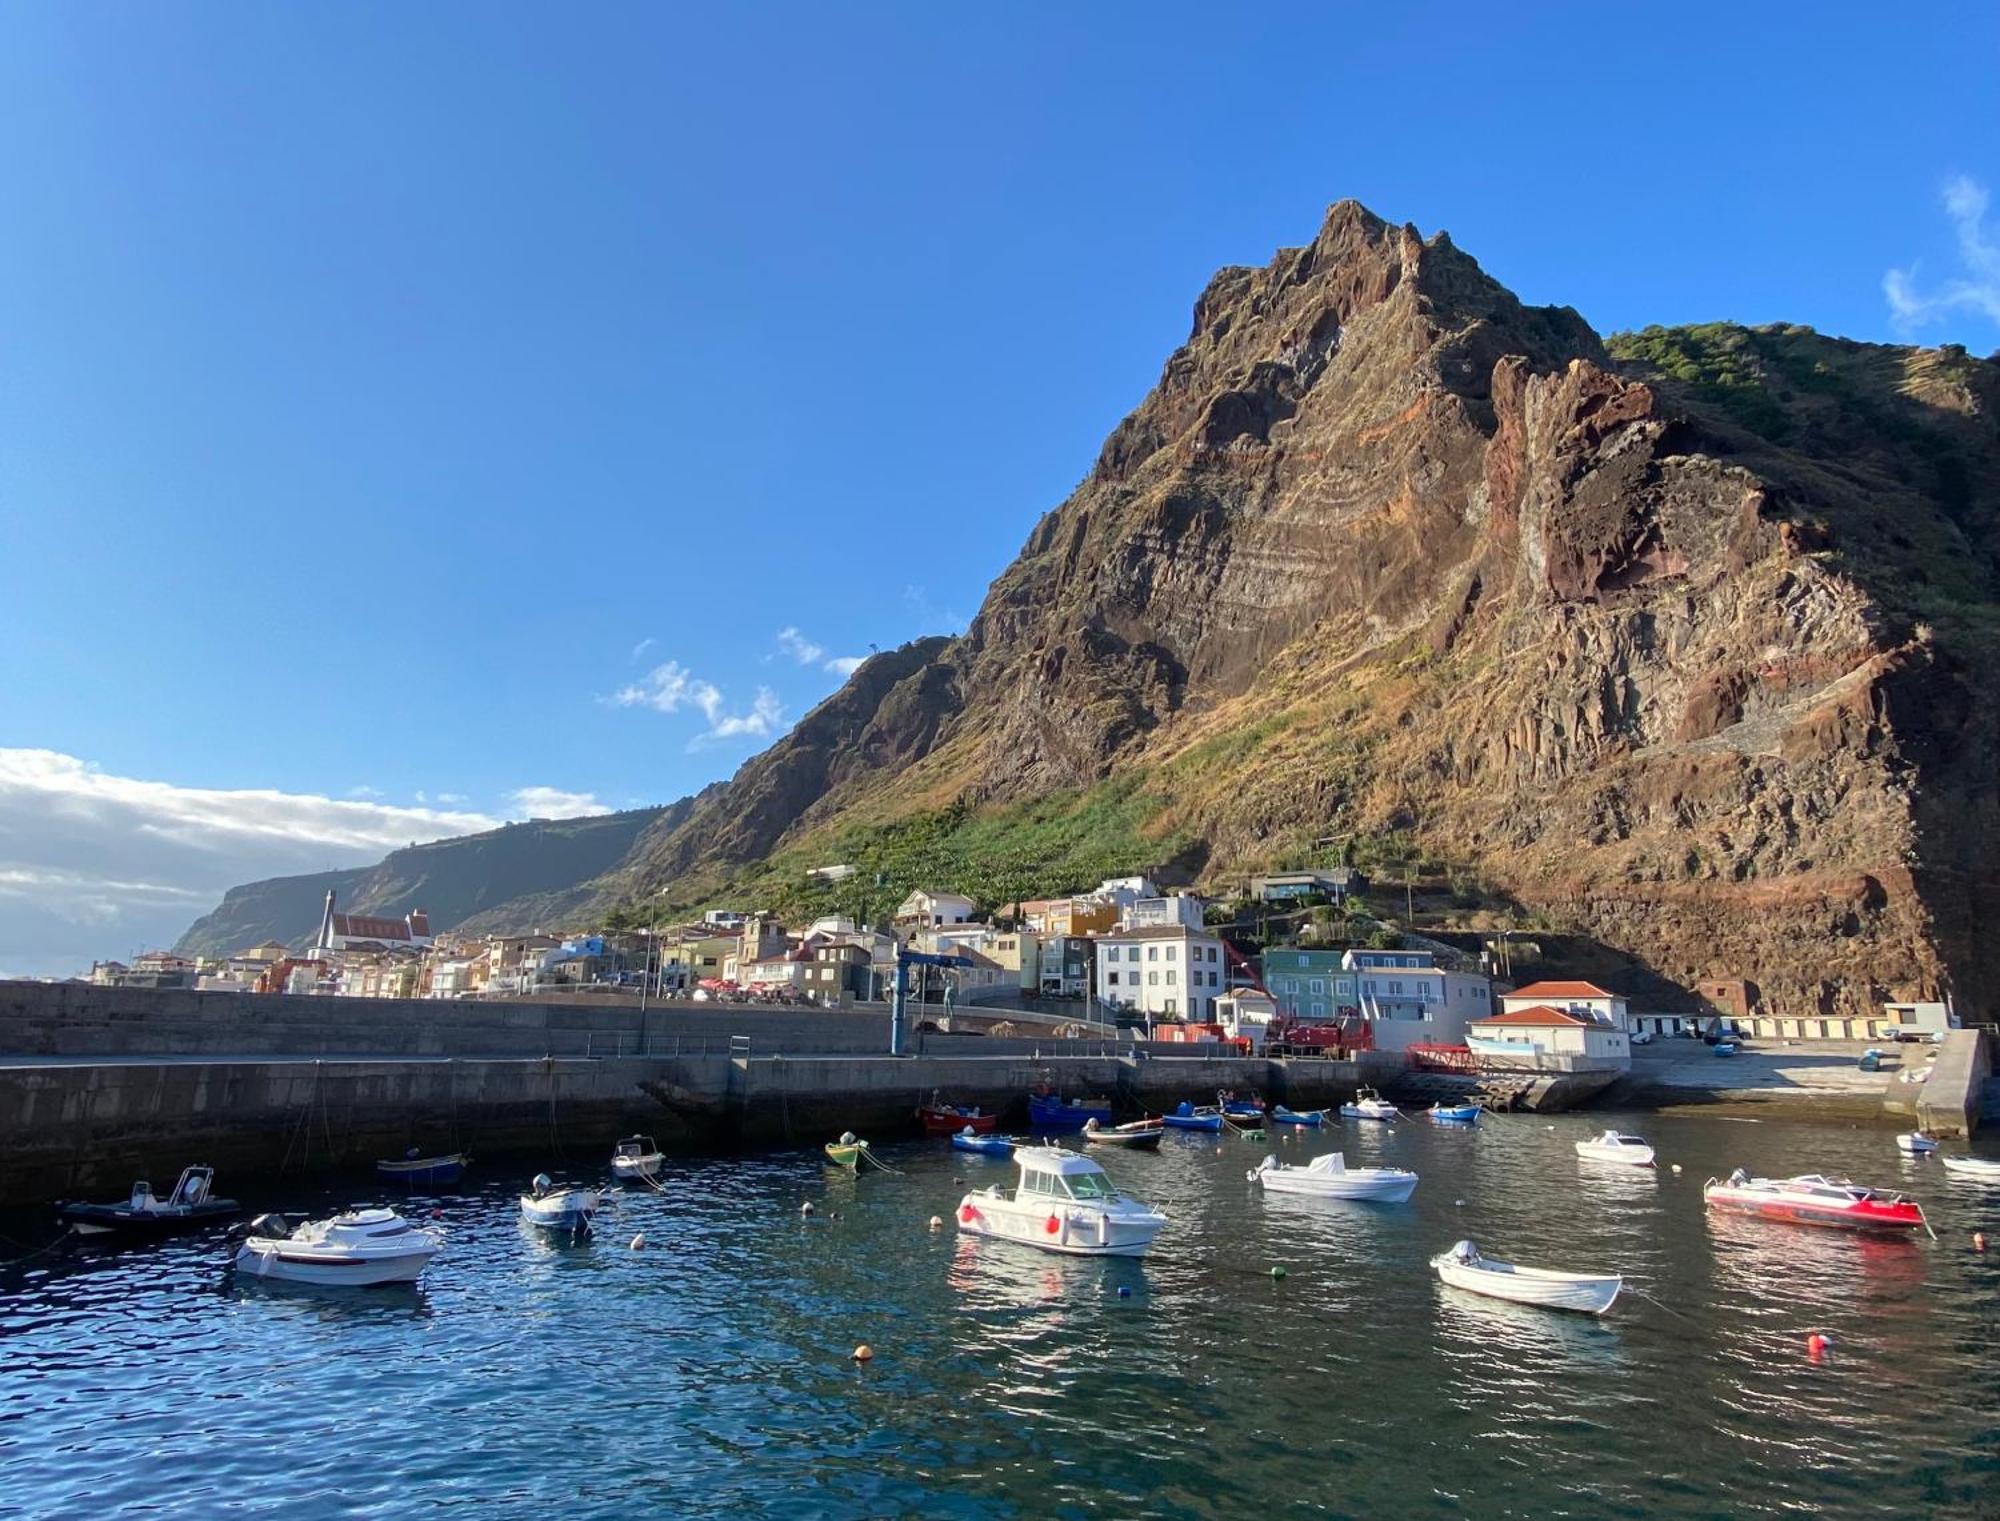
1370 1105
1972 1169
636 1158
1064 1203
1587 1293
1612 1146
1916 1143
560 1209
358 1249
1329 1177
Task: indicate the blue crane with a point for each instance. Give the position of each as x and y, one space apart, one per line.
905 959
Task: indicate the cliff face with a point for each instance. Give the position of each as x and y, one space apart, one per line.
1678 646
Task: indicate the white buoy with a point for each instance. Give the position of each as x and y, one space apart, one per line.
806 1208
937 1222
1677 1167
639 1242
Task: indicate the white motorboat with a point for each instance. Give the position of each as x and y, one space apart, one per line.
1614 1146
1064 1202
1916 1143
1370 1105
560 1209
357 1249
636 1158
1972 1169
1329 1177
1587 1293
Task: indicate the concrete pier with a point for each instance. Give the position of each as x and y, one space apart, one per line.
1949 1102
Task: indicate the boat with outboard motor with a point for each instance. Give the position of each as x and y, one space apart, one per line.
636 1159
1251 1108
1186 1117
1587 1293
1812 1199
1064 1203
412 1170
847 1151
1309 1118
1329 1177
568 1210
971 1140
1370 1105
359 1248
1615 1146
1139 1135
189 1207
1048 1114
1972 1169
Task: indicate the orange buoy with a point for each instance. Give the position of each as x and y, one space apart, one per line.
1817 1345
864 1353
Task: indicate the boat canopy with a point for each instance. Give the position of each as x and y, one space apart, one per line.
1332 1162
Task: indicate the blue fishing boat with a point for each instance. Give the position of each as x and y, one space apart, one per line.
1187 1117
414 1171
1240 1109
1454 1114
1049 1115
982 1145
1280 1115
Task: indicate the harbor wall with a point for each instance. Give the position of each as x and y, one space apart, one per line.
1949 1101
69 1128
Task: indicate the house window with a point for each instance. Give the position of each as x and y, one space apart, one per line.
1318 1010
1152 953
1111 979
1170 976
1395 987
1318 985
1152 979
1172 952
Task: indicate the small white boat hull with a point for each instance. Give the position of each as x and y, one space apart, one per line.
1080 1230
1328 1177
627 1168
570 1210
1584 1293
359 1249
1608 1151
1972 1169
1916 1145
1369 1111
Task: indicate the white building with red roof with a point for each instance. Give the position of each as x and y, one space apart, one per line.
1545 1039
1582 998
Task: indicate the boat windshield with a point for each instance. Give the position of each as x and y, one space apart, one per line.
1090 1185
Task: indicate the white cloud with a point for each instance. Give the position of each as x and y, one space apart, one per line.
1976 288
369 792
806 652
93 864
765 718
669 688
554 803
800 648
642 646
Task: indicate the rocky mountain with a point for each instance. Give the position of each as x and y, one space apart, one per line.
521 875
1674 640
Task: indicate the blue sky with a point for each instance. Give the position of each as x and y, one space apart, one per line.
385 390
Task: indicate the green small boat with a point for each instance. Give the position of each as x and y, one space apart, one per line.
847 1151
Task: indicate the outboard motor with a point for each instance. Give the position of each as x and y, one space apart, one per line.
542 1184
1738 1178
271 1227
1466 1252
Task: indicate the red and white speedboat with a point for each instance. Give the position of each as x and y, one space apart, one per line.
1814 1200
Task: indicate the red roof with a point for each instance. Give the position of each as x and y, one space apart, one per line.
1560 990
1541 1014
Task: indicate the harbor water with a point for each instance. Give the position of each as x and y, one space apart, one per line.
709 1373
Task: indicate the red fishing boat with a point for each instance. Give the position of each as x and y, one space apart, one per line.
951 1119
1815 1200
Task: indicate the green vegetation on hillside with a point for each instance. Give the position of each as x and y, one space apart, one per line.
998 855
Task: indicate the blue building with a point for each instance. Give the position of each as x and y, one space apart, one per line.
1310 985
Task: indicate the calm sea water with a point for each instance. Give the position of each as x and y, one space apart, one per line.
709 1373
